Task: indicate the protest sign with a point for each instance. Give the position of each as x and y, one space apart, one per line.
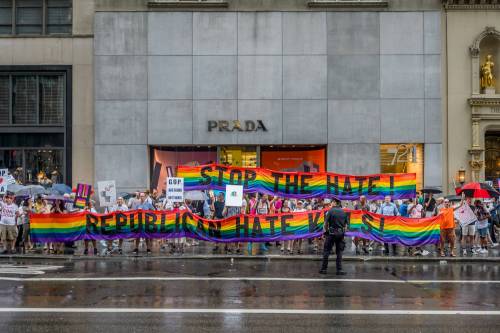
175 189
107 192
5 180
300 185
465 215
234 195
82 196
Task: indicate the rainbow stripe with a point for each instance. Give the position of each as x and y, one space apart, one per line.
240 228
300 185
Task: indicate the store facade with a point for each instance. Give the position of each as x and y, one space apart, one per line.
290 88
473 104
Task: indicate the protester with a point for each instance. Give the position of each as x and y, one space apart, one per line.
361 205
23 239
482 225
429 205
388 208
9 212
468 230
90 208
447 229
334 228
144 204
118 207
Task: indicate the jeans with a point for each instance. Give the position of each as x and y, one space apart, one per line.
330 241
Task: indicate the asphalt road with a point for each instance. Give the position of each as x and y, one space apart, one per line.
244 295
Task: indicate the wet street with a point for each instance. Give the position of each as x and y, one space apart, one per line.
246 295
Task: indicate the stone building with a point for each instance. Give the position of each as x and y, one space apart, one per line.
344 86
472 113
46 90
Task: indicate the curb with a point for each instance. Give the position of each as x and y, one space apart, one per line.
256 257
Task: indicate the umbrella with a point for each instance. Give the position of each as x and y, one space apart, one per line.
453 197
432 190
124 195
195 195
60 189
54 197
14 188
478 190
31 190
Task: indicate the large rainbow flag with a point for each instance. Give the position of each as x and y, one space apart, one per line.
300 185
239 228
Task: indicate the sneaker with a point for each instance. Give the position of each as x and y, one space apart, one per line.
494 245
341 273
148 252
86 252
120 252
322 271
135 252
464 251
425 252
417 253
95 251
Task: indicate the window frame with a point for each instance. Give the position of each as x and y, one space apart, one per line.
45 18
65 127
37 74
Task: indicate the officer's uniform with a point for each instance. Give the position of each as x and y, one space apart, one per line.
335 223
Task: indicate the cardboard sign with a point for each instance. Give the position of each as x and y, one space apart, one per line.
107 193
465 215
82 197
234 195
5 180
175 189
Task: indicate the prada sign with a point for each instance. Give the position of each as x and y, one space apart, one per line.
236 125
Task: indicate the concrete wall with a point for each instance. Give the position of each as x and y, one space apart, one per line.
75 50
351 80
462 27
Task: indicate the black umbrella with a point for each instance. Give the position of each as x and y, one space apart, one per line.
453 197
432 190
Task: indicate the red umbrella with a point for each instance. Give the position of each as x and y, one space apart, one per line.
478 190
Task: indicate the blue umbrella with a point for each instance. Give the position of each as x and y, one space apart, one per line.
60 189
14 188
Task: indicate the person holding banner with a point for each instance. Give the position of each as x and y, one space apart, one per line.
334 227
120 206
144 205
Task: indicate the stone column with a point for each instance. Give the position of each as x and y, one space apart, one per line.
476 152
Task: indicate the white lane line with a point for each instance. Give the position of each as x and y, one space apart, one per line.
253 311
27 269
202 278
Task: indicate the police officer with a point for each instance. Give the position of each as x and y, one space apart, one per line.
334 228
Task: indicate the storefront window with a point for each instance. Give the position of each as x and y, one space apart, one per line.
403 158
492 157
305 159
30 166
13 160
166 159
238 156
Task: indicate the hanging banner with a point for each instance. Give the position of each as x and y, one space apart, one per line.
107 193
300 185
239 228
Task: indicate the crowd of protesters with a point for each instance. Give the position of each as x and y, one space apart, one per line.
473 239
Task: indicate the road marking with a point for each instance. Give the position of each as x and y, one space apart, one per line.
203 278
27 269
254 311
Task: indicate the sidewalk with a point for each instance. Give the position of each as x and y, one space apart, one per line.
205 251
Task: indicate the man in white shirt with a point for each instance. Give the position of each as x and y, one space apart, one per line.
9 212
119 207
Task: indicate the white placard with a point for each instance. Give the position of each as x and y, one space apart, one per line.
5 180
234 195
465 215
107 193
175 189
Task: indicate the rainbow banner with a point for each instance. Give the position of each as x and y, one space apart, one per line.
239 228
300 185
